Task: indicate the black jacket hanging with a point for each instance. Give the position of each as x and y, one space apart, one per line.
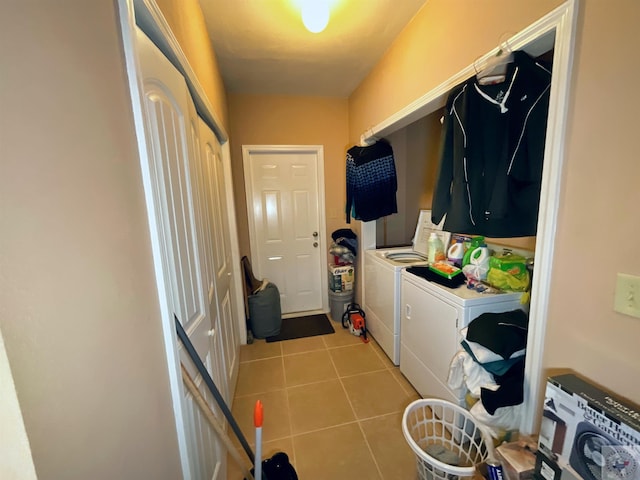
371 182
492 152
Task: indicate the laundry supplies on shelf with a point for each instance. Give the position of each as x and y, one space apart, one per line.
474 243
478 265
508 272
455 253
435 249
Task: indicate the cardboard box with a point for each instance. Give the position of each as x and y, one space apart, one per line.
341 278
587 433
545 468
518 458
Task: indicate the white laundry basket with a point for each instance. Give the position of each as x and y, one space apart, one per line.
432 424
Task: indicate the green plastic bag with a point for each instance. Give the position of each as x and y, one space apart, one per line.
508 272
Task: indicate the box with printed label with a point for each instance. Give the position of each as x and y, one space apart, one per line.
518 458
341 278
587 432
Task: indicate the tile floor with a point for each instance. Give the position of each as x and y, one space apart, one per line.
333 403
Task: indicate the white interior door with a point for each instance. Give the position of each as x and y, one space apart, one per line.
219 249
173 150
285 204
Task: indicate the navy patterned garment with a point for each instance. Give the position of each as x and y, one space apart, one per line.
371 182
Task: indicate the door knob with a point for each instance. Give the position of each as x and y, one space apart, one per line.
211 332
315 244
315 234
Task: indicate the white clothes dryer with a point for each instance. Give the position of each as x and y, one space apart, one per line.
431 319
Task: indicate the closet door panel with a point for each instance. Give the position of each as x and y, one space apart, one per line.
172 138
221 249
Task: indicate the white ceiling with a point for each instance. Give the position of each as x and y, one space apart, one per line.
263 48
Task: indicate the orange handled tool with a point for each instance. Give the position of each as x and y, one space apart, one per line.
258 416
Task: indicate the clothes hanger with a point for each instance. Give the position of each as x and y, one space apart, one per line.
368 138
495 68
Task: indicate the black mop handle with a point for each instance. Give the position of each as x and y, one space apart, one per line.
212 388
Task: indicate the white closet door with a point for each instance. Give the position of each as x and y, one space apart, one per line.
220 247
172 139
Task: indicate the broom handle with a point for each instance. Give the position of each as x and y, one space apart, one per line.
258 414
212 388
213 421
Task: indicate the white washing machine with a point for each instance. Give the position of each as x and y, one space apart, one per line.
382 268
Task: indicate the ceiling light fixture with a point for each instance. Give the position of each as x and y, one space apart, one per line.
315 15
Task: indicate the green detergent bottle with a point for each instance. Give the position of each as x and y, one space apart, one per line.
475 243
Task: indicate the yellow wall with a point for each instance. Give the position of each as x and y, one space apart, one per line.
79 306
291 120
442 39
598 219
187 23
600 199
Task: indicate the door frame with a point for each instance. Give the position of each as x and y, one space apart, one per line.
556 30
318 150
146 15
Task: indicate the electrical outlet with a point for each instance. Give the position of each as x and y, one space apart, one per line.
627 297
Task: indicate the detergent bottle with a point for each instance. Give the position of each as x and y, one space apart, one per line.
435 248
455 254
476 242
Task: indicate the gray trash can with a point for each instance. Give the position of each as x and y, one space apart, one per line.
338 302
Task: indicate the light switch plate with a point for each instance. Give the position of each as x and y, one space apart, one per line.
627 296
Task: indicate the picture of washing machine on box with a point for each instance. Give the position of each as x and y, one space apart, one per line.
587 433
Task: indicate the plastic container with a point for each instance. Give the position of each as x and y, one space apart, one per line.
338 302
435 248
480 256
440 426
445 270
475 243
455 254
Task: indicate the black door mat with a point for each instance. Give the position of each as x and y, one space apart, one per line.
300 327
